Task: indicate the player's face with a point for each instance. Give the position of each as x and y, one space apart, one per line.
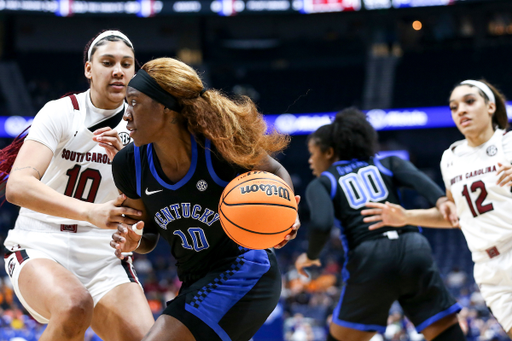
319 161
469 111
111 67
146 118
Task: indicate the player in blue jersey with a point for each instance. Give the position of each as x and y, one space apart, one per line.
189 143
380 266
477 175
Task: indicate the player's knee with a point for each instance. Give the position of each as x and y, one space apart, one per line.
331 338
452 333
75 313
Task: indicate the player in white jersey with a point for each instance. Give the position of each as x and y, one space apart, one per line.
478 177
58 254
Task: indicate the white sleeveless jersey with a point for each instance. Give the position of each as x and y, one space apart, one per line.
484 208
80 168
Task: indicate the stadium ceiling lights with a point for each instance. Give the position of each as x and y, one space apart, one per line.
148 8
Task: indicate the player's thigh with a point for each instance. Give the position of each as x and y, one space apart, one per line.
436 328
370 286
168 328
349 334
494 278
48 288
123 314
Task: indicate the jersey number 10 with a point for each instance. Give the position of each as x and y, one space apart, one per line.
91 175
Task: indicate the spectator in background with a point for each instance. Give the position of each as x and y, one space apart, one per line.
456 279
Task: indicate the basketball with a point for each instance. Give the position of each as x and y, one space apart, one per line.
257 210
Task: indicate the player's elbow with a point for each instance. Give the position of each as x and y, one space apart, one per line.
14 190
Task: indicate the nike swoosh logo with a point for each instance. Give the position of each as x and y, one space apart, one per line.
152 192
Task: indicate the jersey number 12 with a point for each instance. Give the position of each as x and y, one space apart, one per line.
479 201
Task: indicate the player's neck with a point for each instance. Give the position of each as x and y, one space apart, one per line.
475 140
174 151
102 102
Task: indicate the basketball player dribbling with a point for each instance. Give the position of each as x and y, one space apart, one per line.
189 143
478 178
58 255
383 266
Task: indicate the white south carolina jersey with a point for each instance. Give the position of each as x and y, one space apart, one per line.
484 208
80 168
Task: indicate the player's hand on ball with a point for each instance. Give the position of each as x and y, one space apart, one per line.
112 213
295 228
108 139
387 214
127 238
303 262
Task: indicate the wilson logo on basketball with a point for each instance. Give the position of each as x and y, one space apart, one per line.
268 189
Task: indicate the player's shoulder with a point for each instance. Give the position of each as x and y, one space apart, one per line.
64 105
454 149
323 181
507 136
125 157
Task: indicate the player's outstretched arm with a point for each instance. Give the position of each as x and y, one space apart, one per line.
388 214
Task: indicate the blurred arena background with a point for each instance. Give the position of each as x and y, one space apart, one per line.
300 61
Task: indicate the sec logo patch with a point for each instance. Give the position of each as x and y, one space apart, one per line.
491 150
125 138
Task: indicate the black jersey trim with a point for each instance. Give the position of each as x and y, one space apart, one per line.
111 122
333 183
215 177
381 168
136 154
186 178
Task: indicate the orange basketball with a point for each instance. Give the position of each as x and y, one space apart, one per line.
257 210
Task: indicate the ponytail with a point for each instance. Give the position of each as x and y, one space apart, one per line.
235 127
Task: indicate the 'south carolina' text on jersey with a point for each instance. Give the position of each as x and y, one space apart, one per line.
477 172
89 157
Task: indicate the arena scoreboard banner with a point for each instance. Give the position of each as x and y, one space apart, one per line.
149 8
303 124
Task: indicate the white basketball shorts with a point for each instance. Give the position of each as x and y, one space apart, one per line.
84 251
494 278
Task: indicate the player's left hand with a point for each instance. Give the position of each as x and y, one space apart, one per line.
506 175
108 139
295 228
303 262
125 239
111 213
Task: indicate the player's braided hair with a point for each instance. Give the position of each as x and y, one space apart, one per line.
7 157
353 136
235 126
